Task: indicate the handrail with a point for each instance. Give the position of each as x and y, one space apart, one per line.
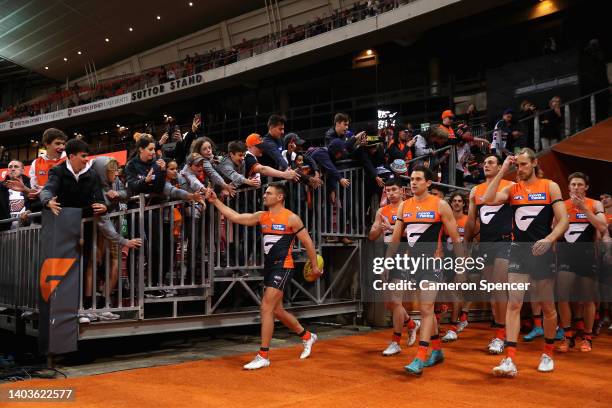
13 219
539 113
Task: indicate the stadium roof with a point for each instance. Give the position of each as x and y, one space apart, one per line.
35 34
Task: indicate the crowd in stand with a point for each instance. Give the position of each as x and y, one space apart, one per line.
383 153
77 95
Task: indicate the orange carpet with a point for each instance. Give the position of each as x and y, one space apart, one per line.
350 372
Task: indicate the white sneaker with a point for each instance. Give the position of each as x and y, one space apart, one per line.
496 346
412 333
108 316
461 326
449 336
392 349
257 363
84 319
506 368
308 346
546 364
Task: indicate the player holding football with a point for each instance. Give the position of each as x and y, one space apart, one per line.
279 227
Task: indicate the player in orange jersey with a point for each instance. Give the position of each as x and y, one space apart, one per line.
279 227
535 203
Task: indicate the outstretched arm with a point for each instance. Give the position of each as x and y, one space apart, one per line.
247 219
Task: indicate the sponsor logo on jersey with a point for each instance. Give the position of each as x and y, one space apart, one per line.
407 215
537 196
394 218
278 227
581 216
518 197
426 214
460 230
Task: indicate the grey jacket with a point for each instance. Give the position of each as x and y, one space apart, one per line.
192 184
212 174
235 174
106 225
99 165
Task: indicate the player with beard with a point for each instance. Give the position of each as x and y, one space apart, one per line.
535 202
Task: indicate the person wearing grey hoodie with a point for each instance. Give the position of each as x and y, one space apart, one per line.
115 194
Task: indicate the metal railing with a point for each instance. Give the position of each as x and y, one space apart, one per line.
189 255
576 115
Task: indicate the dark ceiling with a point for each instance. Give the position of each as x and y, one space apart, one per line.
39 33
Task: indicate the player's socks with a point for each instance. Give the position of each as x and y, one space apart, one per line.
305 335
410 324
510 349
537 321
263 352
422 350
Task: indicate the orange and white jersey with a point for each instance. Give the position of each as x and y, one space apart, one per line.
423 223
39 170
278 238
533 213
389 213
580 228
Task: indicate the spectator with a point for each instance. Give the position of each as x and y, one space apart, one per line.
423 146
193 134
193 172
253 168
293 147
14 192
114 193
324 157
272 146
507 138
54 141
401 146
145 173
73 184
551 122
232 167
171 142
340 129
291 142
205 148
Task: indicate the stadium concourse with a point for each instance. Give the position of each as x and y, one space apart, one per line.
350 372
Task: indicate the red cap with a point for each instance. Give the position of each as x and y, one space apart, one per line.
448 114
254 139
